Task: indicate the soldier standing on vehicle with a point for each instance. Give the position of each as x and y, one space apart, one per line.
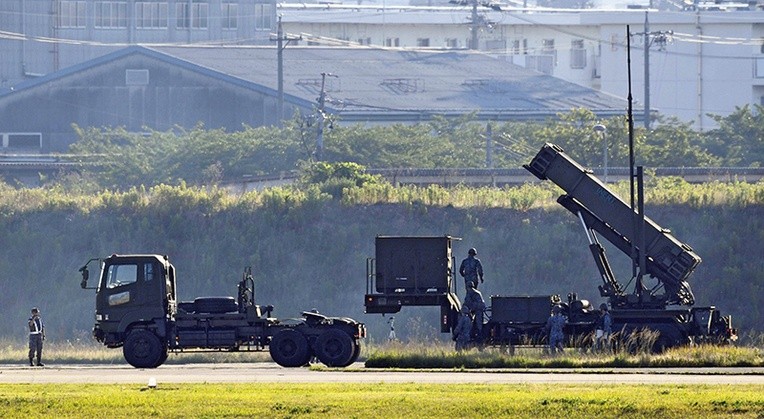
603 328
36 336
471 270
554 326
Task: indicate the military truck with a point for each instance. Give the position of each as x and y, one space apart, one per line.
419 271
137 310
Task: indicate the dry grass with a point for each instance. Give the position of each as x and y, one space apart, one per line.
92 352
442 355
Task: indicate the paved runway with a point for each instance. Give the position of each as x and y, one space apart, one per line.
266 372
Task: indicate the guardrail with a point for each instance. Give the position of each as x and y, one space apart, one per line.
502 177
421 177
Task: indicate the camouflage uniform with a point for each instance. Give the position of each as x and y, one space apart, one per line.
463 330
475 303
603 328
472 271
554 326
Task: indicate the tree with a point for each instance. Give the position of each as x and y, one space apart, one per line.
739 139
675 144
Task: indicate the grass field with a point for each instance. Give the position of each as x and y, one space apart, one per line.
379 401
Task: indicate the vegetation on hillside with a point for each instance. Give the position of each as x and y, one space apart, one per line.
199 156
308 247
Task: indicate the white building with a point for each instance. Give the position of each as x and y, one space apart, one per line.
38 37
700 62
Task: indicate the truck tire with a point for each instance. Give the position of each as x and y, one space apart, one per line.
215 305
335 348
665 341
162 357
289 348
143 349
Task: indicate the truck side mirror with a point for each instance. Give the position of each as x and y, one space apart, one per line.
85 276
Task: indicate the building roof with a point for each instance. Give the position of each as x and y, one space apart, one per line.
361 81
371 84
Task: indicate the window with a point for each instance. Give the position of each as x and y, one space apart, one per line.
71 14
25 140
263 16
423 42
194 15
136 77
547 48
515 48
758 70
577 54
119 275
200 13
148 272
230 15
111 14
150 15
452 43
364 41
392 42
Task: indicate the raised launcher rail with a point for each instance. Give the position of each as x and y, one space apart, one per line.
667 259
412 271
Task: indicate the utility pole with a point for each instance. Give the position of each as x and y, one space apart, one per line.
321 117
661 38
280 38
647 72
474 26
602 130
488 146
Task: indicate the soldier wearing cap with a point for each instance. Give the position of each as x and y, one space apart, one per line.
36 336
554 326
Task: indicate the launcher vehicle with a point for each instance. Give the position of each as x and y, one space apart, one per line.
419 271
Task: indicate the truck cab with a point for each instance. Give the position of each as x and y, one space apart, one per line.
133 289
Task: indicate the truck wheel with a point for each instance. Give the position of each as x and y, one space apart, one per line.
335 348
661 344
143 349
162 357
289 348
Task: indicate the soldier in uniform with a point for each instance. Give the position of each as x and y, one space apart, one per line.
463 329
36 336
471 270
554 326
476 304
603 328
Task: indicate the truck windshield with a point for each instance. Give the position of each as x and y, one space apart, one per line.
119 275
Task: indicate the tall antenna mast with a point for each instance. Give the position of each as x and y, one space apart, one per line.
637 263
